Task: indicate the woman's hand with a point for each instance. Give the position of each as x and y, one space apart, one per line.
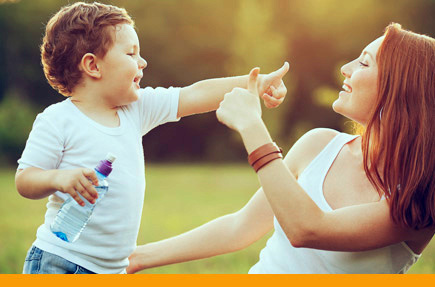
271 87
241 107
137 259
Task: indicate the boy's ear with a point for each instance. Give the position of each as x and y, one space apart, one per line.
88 64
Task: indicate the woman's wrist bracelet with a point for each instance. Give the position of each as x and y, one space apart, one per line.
265 160
263 155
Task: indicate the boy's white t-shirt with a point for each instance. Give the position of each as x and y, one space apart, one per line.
63 137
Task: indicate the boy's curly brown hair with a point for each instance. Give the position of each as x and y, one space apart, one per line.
72 32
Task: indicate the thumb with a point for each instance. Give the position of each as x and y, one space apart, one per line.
282 71
252 81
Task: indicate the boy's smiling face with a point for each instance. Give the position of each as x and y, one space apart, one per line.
121 67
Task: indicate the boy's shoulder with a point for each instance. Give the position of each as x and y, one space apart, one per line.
157 91
56 109
149 96
56 115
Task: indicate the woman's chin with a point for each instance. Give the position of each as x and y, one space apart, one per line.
339 109
336 106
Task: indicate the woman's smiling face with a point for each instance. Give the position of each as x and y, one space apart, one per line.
359 92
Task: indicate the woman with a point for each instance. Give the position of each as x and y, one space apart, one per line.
356 204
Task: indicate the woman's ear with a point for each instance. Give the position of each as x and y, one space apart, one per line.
88 65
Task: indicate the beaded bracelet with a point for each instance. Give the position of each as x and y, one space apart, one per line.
263 155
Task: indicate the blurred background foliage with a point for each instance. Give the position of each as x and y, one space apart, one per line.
185 41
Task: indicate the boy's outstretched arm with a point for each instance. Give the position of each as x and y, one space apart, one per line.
205 96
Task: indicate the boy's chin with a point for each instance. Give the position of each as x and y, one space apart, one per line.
133 97
128 101
136 96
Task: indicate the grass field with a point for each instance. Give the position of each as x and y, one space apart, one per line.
178 198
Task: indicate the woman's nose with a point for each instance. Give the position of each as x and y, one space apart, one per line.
346 71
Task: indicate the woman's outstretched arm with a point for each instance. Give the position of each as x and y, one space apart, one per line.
222 235
231 232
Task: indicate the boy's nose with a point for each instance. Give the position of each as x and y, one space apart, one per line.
142 63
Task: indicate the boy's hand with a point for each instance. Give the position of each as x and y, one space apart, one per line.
78 181
271 88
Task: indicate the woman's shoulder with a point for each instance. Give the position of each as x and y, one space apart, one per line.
307 148
319 136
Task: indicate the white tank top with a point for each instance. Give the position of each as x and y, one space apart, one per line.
279 256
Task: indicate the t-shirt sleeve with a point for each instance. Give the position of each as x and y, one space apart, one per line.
44 147
157 106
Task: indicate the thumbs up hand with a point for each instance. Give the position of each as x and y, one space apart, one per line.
241 107
271 87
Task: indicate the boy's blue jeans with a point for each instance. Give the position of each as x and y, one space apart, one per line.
42 262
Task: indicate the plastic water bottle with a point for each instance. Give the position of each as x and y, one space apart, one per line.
72 218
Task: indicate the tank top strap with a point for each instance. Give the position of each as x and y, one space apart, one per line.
327 156
336 144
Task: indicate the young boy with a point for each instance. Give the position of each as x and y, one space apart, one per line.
90 54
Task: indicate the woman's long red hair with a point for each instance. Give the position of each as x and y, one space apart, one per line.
398 145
